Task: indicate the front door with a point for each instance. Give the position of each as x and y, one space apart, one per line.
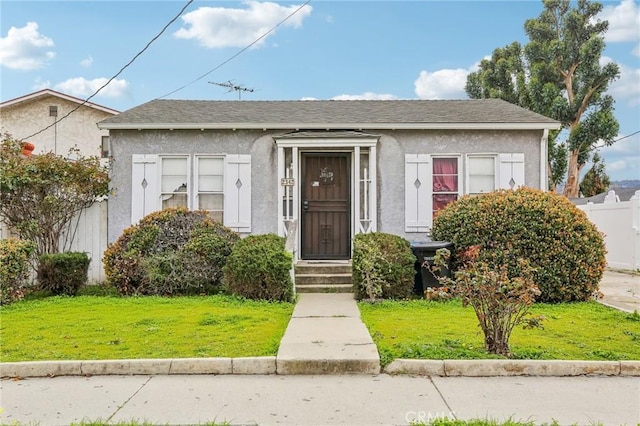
326 207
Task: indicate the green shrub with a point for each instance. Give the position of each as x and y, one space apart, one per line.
170 252
556 238
15 260
259 268
63 273
382 266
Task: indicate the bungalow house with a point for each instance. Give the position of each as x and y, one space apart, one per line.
331 168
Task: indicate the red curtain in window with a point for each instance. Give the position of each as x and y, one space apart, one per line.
445 180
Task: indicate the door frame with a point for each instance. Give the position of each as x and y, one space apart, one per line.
290 148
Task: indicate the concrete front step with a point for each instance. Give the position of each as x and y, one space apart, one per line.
323 277
324 288
304 279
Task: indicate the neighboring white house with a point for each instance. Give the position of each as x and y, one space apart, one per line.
334 168
46 109
24 116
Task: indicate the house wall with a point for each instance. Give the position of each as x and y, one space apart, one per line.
78 130
392 148
394 145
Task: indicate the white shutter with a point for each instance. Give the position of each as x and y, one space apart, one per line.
237 193
144 186
418 185
511 171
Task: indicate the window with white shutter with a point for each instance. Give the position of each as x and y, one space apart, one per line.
221 185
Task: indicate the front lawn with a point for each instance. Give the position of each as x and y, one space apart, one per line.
92 328
420 329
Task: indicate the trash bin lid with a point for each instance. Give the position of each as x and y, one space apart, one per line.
432 245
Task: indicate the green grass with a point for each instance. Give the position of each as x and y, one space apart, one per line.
420 329
99 327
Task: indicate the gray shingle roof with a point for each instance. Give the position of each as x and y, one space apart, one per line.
372 114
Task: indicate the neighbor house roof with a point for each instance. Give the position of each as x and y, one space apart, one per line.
48 92
361 114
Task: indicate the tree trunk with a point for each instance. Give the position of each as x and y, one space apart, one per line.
572 186
551 186
498 346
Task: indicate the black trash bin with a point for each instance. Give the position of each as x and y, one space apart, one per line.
425 253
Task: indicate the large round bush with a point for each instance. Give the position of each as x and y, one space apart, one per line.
382 266
170 252
565 248
259 268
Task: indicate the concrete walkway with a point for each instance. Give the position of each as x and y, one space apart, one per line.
326 336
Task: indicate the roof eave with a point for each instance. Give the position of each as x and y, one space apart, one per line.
330 126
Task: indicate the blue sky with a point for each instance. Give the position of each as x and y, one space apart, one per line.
327 50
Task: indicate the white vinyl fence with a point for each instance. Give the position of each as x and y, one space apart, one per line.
620 222
90 236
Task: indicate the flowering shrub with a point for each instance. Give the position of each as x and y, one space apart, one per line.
15 257
564 249
499 301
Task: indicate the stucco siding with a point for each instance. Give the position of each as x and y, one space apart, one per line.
79 130
392 147
263 167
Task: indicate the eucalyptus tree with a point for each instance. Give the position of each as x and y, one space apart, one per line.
559 73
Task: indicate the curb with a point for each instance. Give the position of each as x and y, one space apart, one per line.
125 367
498 367
267 365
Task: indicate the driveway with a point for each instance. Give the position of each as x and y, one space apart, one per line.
621 290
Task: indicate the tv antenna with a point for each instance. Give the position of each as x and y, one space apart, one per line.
233 87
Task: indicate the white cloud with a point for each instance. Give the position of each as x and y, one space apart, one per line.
627 87
622 159
624 21
442 84
82 87
40 84
87 62
366 96
226 27
616 166
25 48
308 98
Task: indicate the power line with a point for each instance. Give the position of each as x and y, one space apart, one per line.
118 73
232 57
597 147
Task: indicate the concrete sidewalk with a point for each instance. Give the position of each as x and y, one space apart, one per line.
319 400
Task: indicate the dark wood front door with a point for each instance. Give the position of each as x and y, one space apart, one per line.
326 207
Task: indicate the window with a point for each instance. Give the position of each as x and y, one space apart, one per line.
445 182
210 190
433 182
482 174
219 184
53 111
105 147
174 182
